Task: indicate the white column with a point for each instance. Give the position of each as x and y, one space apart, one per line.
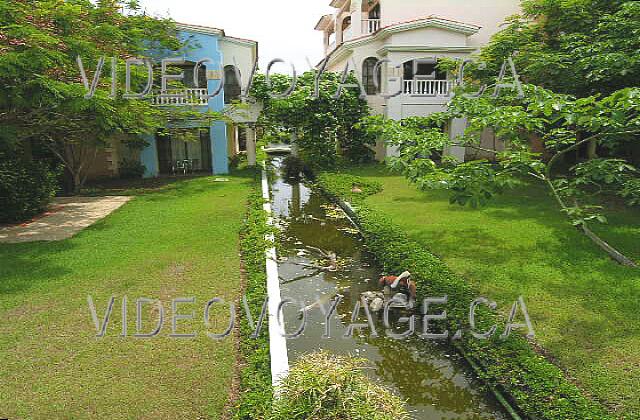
456 128
356 18
251 146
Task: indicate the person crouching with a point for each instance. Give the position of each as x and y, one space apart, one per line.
400 284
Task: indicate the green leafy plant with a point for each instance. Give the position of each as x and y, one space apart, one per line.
631 191
256 392
26 189
44 97
131 169
322 386
563 124
322 127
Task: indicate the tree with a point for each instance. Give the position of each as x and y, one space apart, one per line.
324 125
577 47
43 96
558 119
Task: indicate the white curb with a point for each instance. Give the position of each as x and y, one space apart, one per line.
277 341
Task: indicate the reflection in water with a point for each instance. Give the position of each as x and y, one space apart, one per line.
429 376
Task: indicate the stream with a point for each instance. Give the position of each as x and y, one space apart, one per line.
430 376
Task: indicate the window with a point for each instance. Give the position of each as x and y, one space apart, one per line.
423 69
232 89
374 13
346 23
202 77
369 76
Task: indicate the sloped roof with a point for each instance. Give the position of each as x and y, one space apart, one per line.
324 22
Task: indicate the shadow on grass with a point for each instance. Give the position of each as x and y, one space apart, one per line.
28 265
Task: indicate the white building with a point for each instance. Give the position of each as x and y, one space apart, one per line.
412 35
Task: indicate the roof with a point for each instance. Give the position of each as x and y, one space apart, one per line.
209 30
424 22
324 22
337 3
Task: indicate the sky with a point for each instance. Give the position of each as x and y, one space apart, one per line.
283 28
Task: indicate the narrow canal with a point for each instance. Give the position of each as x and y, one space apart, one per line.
431 377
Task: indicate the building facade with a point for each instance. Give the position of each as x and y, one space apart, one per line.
207 148
410 36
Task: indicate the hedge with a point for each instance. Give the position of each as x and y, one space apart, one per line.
537 388
26 189
256 392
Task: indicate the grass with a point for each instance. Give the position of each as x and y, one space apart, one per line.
179 241
584 306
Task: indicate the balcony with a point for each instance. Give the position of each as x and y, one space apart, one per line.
370 26
182 97
347 34
428 87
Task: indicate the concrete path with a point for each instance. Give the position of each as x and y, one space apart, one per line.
66 217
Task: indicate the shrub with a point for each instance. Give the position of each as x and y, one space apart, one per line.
26 189
131 169
322 386
255 378
294 168
631 191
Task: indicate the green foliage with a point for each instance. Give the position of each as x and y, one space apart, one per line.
256 392
325 127
131 169
43 96
631 191
578 47
295 168
321 386
537 387
26 189
563 123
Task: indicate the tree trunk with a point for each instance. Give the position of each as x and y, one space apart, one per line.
613 253
77 183
592 149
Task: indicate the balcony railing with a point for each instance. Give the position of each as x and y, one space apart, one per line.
182 97
428 87
347 34
370 26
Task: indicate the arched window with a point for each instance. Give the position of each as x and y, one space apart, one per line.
369 76
346 22
232 89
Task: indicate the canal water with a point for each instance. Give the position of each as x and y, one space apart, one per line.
430 376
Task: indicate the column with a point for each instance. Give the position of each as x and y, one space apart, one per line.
251 145
149 157
220 159
356 18
456 128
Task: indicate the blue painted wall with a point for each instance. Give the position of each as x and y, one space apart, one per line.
202 46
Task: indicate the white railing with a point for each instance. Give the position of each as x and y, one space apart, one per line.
428 87
182 97
370 26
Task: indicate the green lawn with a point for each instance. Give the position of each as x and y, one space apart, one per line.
585 307
180 240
